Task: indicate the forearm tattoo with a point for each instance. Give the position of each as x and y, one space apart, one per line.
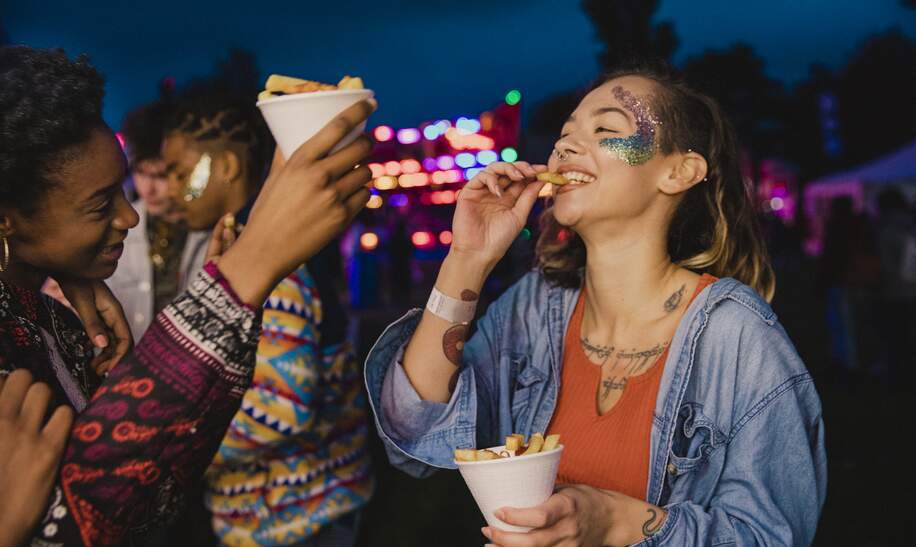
652 524
454 338
453 343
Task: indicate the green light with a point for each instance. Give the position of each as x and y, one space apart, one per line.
513 97
526 233
509 154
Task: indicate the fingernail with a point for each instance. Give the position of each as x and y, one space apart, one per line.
486 532
101 341
500 514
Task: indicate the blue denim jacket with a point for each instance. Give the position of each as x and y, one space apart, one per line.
737 445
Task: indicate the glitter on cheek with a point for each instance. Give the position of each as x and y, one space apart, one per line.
199 179
639 147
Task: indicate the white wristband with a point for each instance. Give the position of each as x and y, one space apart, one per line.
451 309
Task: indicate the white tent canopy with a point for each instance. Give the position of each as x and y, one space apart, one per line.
861 184
898 166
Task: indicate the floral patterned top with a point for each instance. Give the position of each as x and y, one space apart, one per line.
148 431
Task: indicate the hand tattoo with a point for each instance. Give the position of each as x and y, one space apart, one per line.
674 300
453 343
650 528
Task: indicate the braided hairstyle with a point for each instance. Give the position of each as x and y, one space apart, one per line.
49 105
214 115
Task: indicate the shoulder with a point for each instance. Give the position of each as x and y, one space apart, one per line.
531 292
743 344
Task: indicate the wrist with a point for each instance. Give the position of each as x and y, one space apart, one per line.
460 273
471 263
251 275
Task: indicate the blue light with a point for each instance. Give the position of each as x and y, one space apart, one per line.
509 154
486 157
431 132
465 159
442 126
469 125
398 200
470 173
430 164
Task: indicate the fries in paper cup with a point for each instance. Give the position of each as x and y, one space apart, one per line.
513 475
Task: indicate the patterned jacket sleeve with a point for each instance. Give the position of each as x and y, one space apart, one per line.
281 401
154 425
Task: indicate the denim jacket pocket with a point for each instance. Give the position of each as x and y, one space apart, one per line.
695 437
527 384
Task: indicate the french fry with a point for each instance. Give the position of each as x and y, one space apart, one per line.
551 442
278 82
535 443
266 95
514 442
553 178
484 455
465 455
350 83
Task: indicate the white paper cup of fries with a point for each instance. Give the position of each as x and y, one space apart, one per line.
514 481
294 119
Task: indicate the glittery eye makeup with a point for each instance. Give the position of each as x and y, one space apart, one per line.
199 179
639 147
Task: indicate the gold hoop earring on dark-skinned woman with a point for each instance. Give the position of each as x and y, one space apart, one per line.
5 262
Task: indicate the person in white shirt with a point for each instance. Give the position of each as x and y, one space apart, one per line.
161 254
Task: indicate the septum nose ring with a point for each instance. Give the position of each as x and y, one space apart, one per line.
562 156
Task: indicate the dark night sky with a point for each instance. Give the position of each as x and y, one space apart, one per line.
425 58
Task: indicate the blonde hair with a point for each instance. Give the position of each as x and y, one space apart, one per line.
714 228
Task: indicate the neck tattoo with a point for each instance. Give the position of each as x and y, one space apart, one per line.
674 300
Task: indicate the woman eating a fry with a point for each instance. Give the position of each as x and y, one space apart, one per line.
644 338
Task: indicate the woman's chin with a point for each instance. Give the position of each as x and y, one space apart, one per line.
566 213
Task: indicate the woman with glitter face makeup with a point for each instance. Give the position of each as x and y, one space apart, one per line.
644 338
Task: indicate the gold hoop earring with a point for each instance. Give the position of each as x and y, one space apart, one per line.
5 263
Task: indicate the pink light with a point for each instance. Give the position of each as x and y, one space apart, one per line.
439 177
445 237
445 162
383 133
410 166
408 136
429 164
422 239
472 141
378 170
368 241
393 168
453 175
120 138
413 180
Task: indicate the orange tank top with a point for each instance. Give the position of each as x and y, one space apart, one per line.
611 450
